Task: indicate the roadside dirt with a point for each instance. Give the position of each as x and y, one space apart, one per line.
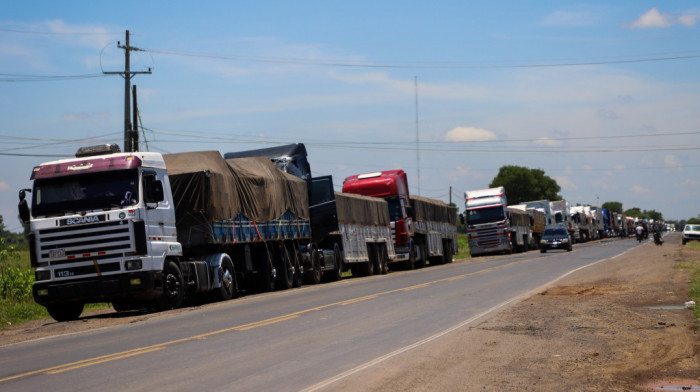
599 329
609 327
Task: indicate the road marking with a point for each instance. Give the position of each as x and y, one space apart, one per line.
517 298
274 320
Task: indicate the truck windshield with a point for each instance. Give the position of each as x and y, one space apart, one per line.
60 195
485 215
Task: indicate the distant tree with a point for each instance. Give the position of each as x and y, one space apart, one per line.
523 184
694 221
634 212
614 206
646 214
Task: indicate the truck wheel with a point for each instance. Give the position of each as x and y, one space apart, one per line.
543 250
313 276
420 255
298 272
446 252
173 287
384 260
285 269
266 277
337 272
65 311
229 285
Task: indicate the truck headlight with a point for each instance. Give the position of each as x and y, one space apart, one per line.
42 275
133 265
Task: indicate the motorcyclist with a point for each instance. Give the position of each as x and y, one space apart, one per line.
640 232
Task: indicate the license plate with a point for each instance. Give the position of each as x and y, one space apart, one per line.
57 254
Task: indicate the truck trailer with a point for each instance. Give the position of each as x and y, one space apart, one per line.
348 231
421 228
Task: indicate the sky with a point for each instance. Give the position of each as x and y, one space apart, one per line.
602 96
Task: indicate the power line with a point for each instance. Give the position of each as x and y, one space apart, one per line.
46 78
435 65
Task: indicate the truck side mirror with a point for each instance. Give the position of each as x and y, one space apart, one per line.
461 219
23 206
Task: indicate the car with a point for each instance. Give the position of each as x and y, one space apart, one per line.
555 238
691 232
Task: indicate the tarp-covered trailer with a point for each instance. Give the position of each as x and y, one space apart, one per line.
435 230
245 207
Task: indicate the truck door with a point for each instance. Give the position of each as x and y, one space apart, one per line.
322 208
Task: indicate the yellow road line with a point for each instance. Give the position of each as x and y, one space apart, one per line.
245 327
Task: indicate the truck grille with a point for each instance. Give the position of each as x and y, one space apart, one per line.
89 242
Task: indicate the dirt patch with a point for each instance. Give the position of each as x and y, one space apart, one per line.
604 328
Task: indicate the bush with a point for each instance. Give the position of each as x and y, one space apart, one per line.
16 283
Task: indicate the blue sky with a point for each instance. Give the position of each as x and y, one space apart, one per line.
602 96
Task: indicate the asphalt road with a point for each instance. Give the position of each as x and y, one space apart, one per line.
299 340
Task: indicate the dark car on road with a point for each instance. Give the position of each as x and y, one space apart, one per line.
555 238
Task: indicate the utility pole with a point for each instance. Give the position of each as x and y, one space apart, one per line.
127 75
415 83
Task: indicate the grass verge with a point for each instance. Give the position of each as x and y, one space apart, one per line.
691 262
16 302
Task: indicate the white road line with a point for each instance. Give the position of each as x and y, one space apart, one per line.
378 360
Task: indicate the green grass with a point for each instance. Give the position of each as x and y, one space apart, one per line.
691 263
463 243
16 302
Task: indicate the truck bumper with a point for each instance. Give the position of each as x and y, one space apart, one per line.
137 285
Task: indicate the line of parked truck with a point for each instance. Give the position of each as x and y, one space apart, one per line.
143 229
494 226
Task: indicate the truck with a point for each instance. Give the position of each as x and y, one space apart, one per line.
581 216
491 227
435 230
349 232
430 233
143 229
537 223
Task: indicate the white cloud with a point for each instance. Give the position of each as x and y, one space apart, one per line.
689 183
469 134
689 19
638 189
548 142
672 162
4 186
565 183
571 18
620 167
655 18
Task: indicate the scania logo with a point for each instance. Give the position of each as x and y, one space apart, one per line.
82 220
86 219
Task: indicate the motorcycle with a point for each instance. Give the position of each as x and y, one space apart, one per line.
640 237
658 240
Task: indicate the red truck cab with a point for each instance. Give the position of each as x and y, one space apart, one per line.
392 186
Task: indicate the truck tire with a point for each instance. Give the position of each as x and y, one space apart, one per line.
227 277
313 275
446 252
266 277
285 269
337 272
384 259
420 254
173 287
65 311
298 271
